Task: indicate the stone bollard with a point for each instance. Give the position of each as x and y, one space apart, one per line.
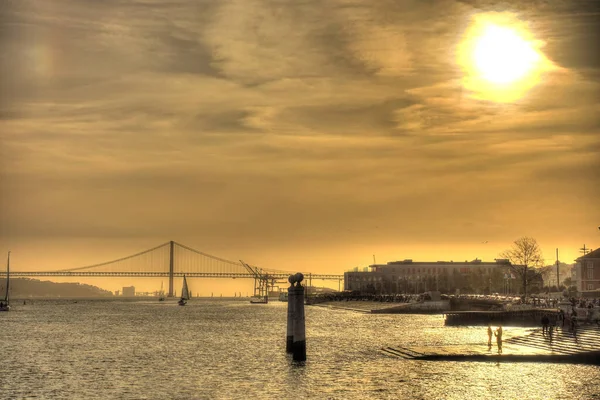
290 316
299 339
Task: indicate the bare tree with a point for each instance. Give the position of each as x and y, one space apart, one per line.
524 254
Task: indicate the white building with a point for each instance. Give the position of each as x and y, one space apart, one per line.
408 276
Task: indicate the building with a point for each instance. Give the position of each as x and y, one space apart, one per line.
128 291
587 271
408 276
564 273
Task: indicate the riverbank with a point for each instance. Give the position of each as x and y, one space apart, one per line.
358 306
377 307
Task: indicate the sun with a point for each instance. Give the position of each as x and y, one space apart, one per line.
500 58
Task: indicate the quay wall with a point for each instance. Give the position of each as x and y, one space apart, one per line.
426 307
523 318
376 307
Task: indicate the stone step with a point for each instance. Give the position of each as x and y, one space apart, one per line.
573 342
555 349
558 344
407 351
586 341
546 347
584 335
557 340
396 353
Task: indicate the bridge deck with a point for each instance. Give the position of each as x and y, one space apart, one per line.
277 276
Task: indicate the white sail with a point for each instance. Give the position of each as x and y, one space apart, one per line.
185 295
6 297
161 294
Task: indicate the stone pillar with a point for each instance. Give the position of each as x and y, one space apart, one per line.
289 341
299 339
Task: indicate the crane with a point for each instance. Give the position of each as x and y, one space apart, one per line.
262 280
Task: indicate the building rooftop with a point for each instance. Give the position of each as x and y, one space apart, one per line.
591 254
474 262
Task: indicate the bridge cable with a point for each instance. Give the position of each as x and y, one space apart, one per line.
114 261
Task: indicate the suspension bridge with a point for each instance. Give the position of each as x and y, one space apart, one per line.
172 260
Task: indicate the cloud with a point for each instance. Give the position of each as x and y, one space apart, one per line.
278 122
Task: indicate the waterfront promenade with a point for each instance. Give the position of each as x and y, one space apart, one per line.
379 307
358 306
563 346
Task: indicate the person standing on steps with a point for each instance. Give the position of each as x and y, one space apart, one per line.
545 322
498 334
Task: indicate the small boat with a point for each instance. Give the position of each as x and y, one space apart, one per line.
5 305
259 300
184 293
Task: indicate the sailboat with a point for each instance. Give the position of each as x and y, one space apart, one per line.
4 305
161 295
184 293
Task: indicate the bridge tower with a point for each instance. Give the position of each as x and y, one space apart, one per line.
171 250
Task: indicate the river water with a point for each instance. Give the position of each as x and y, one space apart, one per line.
226 349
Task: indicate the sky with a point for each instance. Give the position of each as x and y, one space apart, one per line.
296 135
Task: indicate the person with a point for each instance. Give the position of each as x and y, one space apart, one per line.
562 317
498 334
545 322
490 334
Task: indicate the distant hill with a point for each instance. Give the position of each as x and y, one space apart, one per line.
24 287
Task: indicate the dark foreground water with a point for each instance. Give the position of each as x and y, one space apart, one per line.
235 350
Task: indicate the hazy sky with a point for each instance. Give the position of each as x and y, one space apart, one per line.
292 134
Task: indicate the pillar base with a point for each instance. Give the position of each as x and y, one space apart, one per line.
289 344
299 350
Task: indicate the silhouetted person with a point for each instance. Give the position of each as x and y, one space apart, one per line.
562 317
490 334
498 334
545 322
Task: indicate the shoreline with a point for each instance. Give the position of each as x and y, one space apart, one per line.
367 307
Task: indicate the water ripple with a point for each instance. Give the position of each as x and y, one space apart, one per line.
217 349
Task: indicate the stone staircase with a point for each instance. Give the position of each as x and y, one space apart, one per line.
585 339
563 344
402 352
